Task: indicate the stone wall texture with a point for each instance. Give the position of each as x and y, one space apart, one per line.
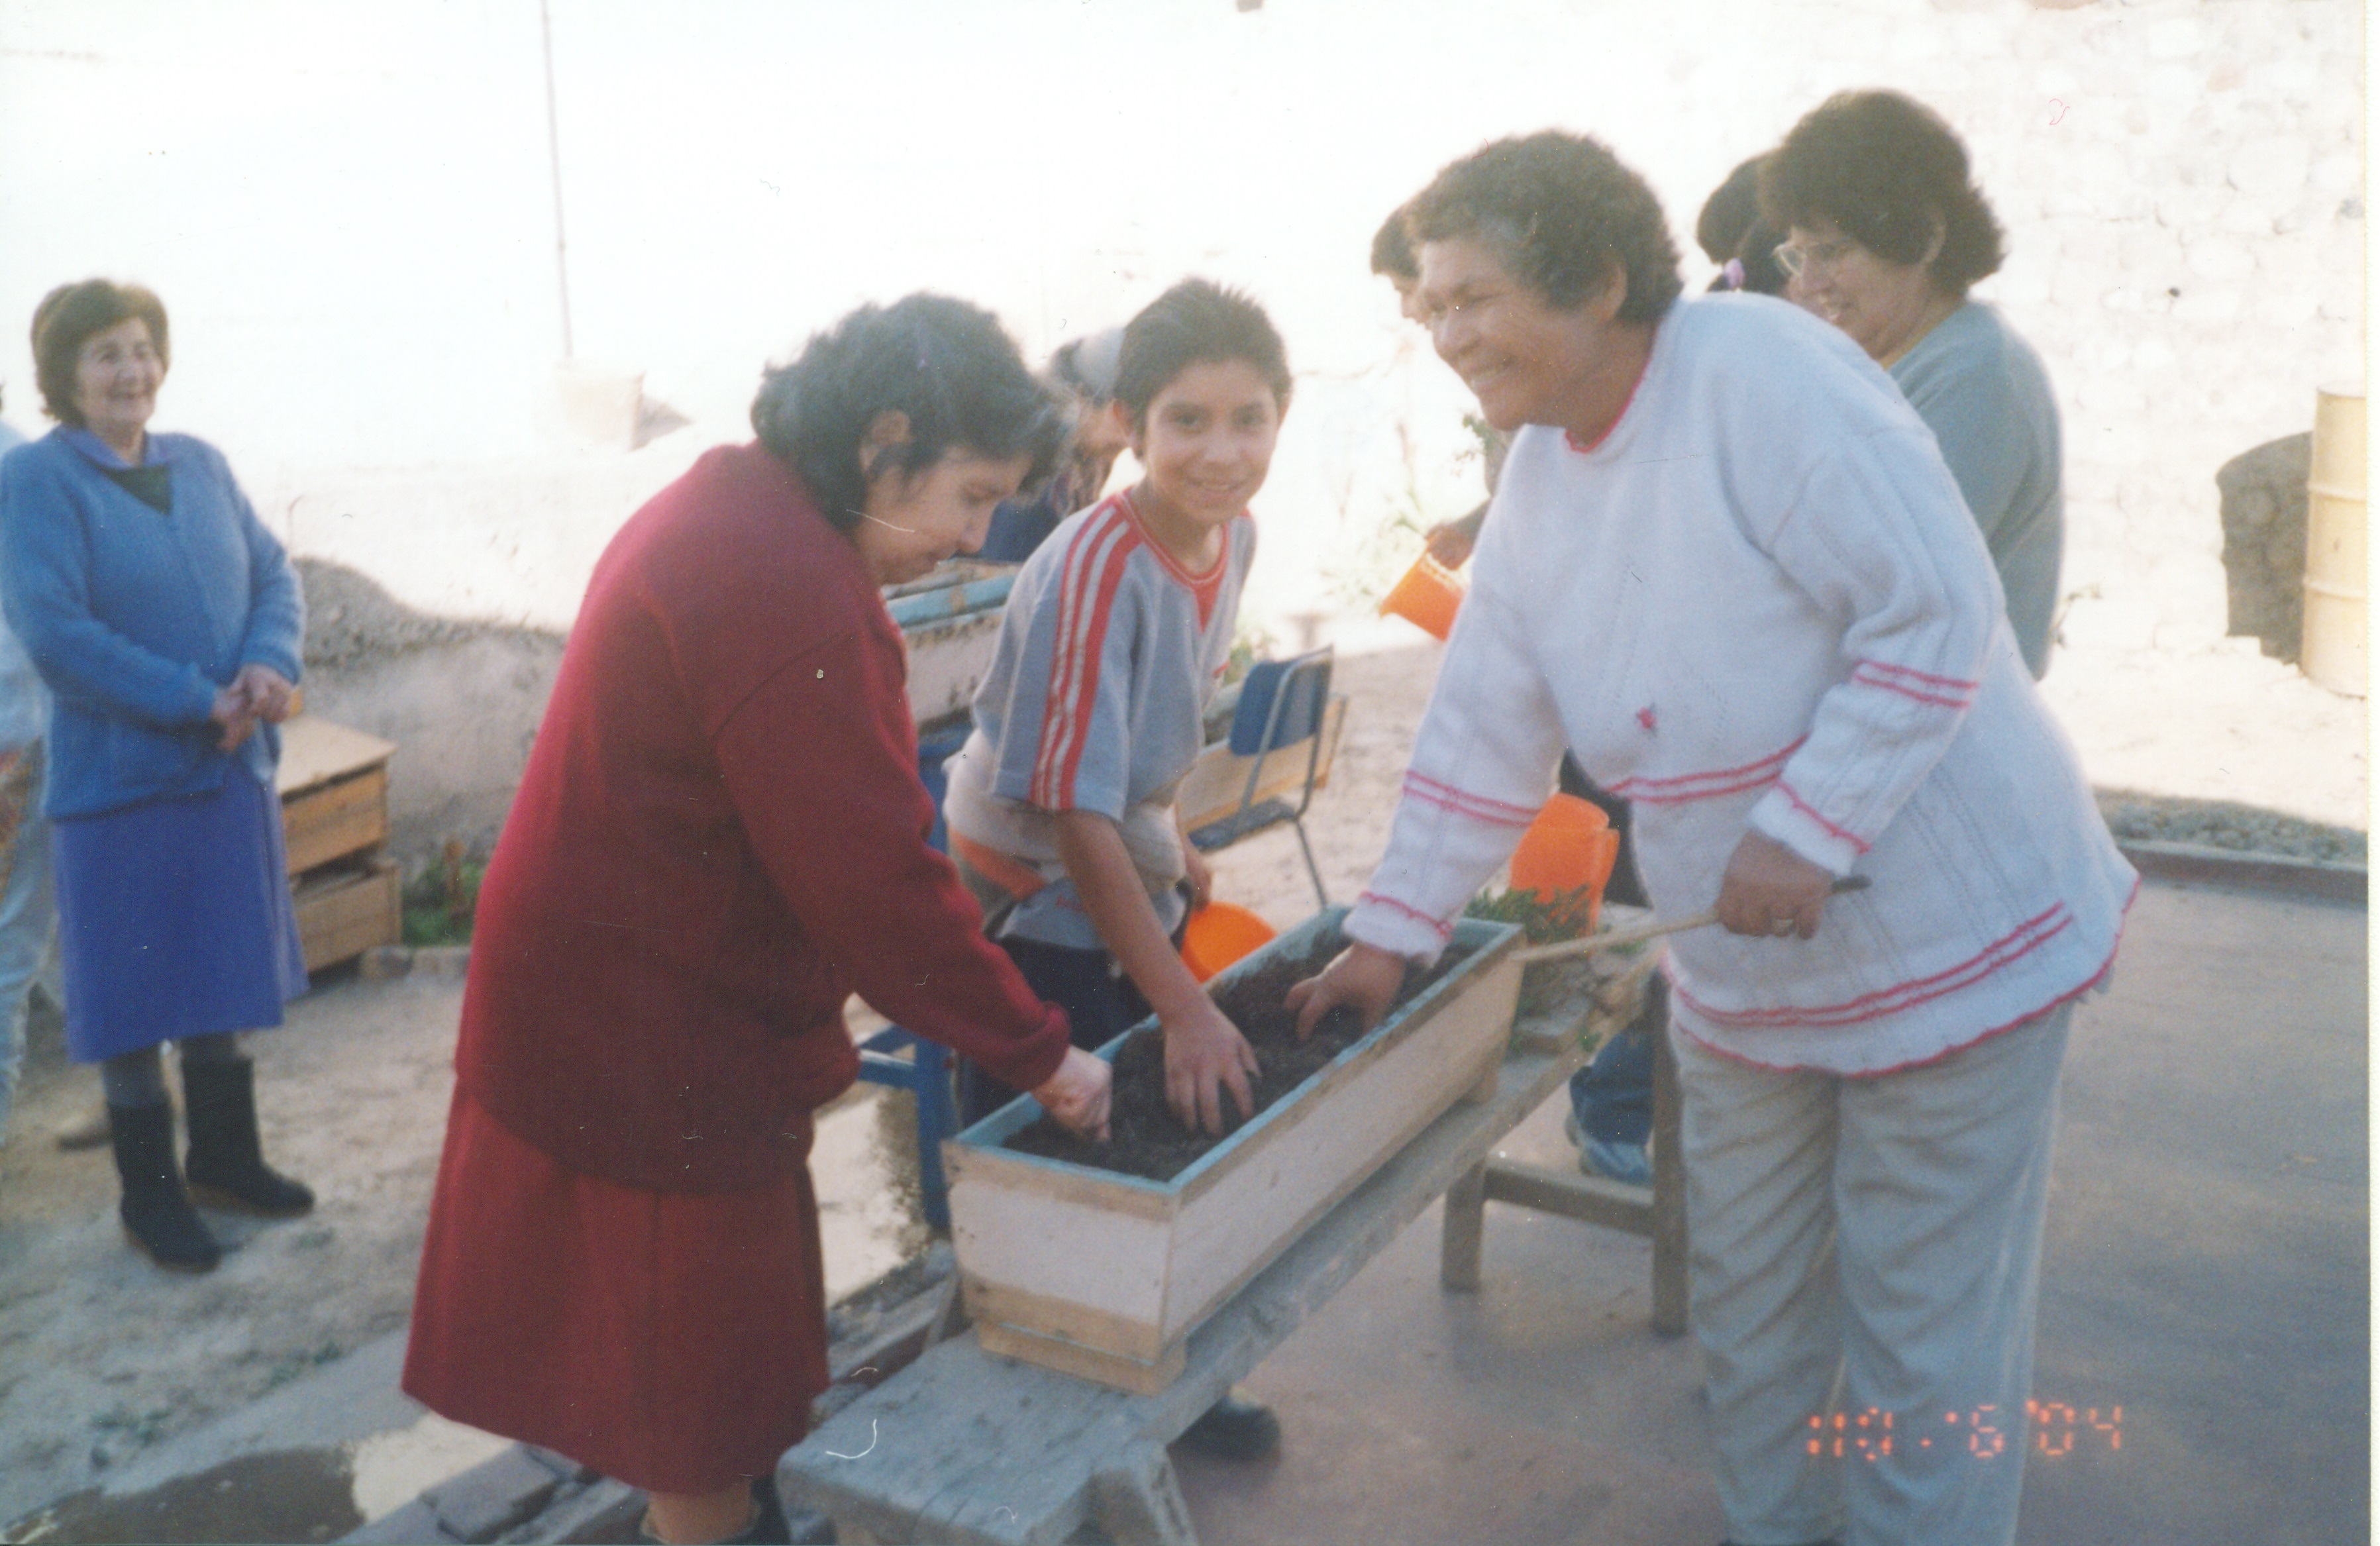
2187 252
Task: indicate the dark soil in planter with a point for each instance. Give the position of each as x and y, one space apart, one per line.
1146 1139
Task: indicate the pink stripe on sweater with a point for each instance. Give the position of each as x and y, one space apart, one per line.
1814 814
1526 813
1457 802
1913 673
1650 788
2024 940
1443 929
1889 686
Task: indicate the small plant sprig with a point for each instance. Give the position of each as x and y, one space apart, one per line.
440 903
1544 916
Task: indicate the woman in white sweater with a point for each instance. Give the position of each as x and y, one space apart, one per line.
1727 568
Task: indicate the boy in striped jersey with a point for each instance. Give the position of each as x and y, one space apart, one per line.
1061 804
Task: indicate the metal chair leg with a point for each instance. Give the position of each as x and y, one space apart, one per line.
1313 870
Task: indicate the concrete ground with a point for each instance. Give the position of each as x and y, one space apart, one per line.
2205 1307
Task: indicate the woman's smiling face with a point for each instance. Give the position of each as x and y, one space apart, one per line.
1527 360
116 376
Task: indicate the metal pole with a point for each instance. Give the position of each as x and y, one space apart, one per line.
554 149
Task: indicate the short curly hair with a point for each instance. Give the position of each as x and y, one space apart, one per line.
72 315
1392 253
1196 322
945 364
1564 212
1887 170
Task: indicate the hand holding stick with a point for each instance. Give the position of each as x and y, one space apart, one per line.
1653 929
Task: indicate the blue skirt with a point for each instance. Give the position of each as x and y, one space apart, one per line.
174 919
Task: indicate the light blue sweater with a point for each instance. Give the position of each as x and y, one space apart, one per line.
1983 393
135 618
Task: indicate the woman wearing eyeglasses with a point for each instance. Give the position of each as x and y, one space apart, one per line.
1885 234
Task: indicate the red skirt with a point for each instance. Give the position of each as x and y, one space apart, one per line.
671 1341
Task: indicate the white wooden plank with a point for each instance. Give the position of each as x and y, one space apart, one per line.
1056 1248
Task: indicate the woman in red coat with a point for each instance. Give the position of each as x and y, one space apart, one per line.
719 836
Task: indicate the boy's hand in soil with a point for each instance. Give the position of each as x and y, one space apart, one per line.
1077 1094
1360 977
1203 1049
1205 1053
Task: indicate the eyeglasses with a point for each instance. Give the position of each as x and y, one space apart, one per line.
1796 260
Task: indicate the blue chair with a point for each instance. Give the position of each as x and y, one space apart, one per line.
1282 704
899 1060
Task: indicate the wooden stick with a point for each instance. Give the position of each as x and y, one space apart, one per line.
1638 934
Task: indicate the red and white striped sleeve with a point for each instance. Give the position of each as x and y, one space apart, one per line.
1880 534
1082 750
1482 766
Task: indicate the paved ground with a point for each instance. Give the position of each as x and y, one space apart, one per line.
2207 1268
2206 1275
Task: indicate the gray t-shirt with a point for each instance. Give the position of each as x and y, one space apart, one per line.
1983 393
1109 655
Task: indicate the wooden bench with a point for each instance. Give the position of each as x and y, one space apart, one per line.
973 1449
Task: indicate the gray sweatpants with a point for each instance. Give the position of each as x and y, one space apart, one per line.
1871 1248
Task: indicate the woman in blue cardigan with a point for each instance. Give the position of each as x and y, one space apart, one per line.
166 622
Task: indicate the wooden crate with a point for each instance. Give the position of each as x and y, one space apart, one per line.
1104 1276
334 787
337 818
345 909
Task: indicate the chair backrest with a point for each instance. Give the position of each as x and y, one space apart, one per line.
1282 702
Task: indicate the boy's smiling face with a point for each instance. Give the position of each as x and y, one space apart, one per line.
1207 443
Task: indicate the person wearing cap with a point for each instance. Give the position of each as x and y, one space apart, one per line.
1085 368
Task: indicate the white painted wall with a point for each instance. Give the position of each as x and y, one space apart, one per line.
348 210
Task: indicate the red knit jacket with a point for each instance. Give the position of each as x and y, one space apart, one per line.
719 836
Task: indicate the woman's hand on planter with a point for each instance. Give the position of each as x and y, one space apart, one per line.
1205 1054
1077 1094
1361 977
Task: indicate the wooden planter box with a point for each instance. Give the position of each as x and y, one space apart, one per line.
1104 1276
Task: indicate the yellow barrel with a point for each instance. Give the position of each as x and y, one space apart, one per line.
2335 642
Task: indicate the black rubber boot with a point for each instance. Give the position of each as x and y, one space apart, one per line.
227 1167
156 1210
1236 1429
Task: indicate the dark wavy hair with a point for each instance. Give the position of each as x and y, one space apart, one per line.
1731 229
70 317
1392 253
1888 170
1564 212
1196 323
945 364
